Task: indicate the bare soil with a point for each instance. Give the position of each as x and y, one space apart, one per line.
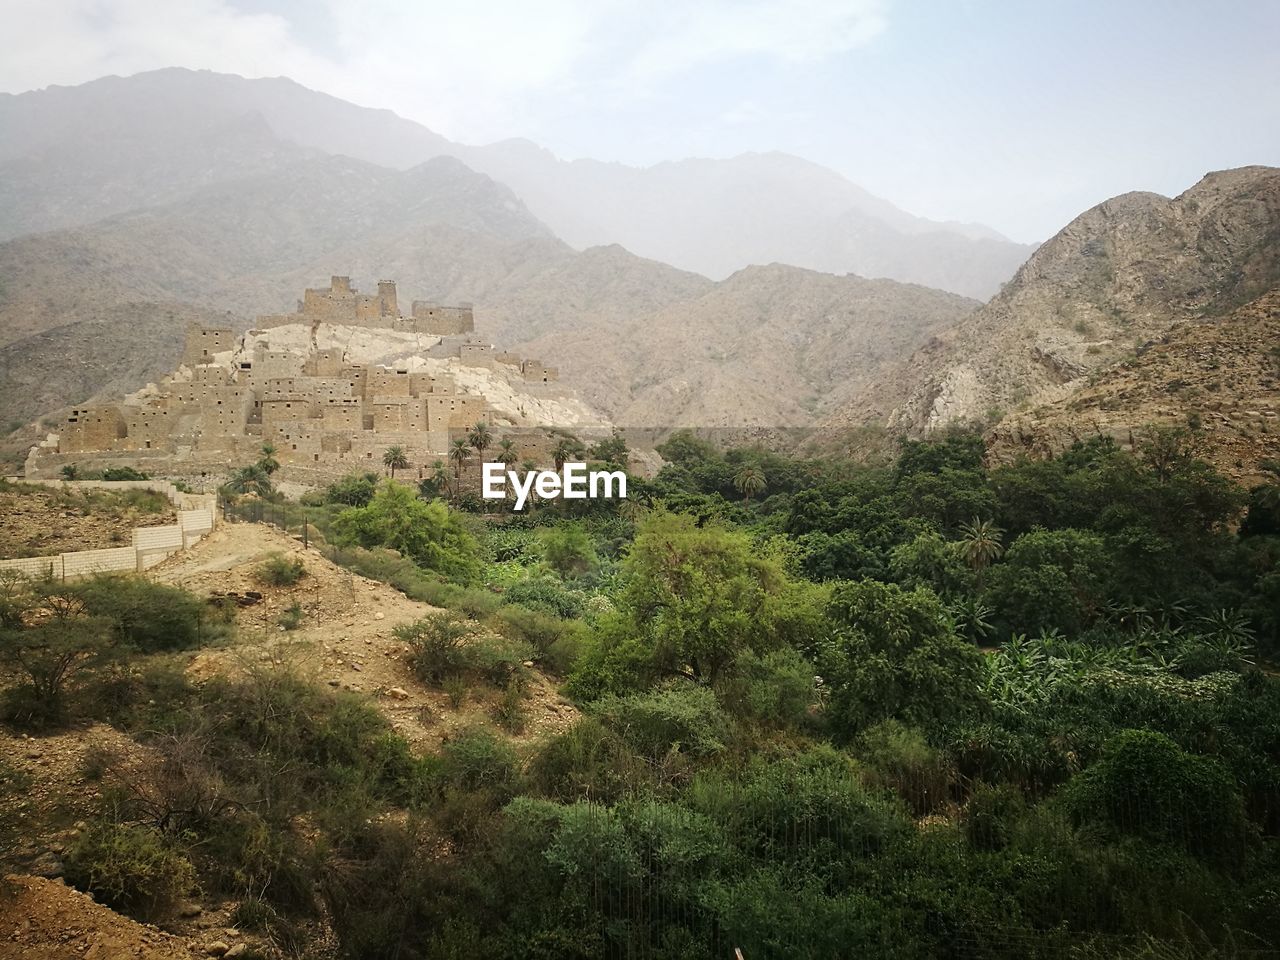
41 521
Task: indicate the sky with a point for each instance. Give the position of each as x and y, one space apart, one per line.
1018 115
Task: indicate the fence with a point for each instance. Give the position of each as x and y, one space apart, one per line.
289 517
197 515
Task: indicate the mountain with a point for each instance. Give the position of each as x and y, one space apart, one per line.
1119 276
771 346
98 310
1220 378
717 216
70 156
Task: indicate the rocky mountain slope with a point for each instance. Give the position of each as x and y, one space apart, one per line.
769 347
1120 275
1220 378
158 137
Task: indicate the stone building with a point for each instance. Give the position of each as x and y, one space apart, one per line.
235 392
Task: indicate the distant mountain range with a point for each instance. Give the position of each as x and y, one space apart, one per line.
712 293
645 342
70 156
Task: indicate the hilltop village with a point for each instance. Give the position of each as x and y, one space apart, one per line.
331 386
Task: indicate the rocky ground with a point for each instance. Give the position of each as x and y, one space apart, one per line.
344 639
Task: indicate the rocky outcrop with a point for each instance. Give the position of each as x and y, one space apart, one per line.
1220 379
1116 279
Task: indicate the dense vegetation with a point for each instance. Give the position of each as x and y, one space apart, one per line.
933 709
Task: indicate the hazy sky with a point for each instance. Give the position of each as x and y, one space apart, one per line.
1016 114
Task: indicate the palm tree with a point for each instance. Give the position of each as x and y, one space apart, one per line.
458 452
480 438
395 459
267 461
507 452
980 544
251 479
565 450
749 481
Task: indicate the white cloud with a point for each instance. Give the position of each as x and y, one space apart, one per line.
474 71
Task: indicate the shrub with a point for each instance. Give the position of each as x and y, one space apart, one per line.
147 616
776 689
429 533
499 660
291 618
568 550
547 595
279 570
437 643
679 717
991 814
902 759
585 762
49 657
1146 786
538 629
509 711
133 869
477 760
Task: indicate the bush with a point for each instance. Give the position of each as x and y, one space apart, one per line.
568 550
991 815
535 628
679 717
429 533
1146 786
149 617
509 711
291 618
498 660
279 570
133 869
902 760
776 689
477 760
585 762
49 657
437 643
546 595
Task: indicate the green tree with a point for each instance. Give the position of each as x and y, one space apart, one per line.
429 533
395 459
894 653
568 550
251 480
1051 579
567 449
698 595
981 544
480 438
70 471
267 461
458 453
507 452
749 481
1146 786
48 657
